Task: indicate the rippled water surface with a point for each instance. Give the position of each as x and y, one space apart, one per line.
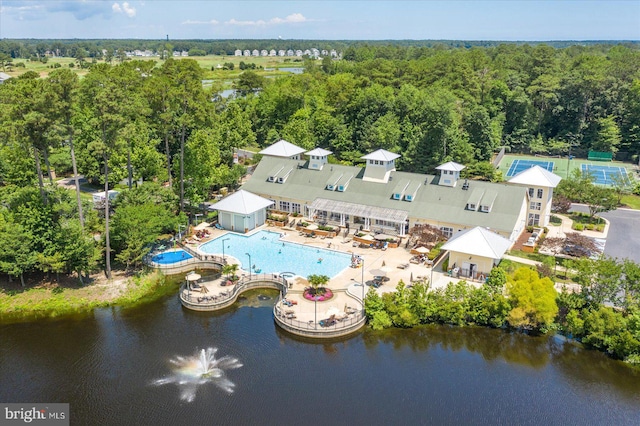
105 365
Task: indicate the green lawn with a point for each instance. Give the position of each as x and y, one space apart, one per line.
224 78
631 201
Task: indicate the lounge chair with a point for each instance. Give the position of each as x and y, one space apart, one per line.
218 226
403 266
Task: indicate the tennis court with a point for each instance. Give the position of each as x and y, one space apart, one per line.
606 175
520 165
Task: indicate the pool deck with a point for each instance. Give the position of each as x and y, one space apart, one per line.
347 281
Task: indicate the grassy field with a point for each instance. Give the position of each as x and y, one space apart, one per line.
221 77
53 300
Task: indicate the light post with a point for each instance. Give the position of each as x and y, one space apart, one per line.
362 283
249 265
196 216
315 311
223 240
431 280
180 226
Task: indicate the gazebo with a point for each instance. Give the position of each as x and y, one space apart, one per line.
473 252
241 211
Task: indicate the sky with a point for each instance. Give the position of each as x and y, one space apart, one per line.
527 20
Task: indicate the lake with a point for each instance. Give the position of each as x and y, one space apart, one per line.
105 364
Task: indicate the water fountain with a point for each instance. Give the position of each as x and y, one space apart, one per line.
200 369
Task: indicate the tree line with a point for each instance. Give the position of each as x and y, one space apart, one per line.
524 300
132 121
154 120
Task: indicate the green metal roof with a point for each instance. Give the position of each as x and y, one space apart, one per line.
432 202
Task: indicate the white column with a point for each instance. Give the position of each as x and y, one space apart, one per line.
367 223
342 221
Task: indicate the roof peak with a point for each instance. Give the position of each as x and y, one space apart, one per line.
536 176
282 148
451 166
381 154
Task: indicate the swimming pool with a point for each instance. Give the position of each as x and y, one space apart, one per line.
169 257
270 255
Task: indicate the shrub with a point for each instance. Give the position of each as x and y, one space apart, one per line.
590 226
529 228
435 251
555 220
578 226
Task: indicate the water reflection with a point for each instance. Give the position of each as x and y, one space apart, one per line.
197 370
491 344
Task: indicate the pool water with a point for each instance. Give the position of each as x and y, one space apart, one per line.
270 255
169 257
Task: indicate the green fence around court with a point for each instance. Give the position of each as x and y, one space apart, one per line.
600 156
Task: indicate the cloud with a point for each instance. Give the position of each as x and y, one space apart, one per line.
190 22
39 9
294 18
126 8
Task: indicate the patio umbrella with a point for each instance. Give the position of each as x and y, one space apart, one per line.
383 237
312 227
366 237
192 276
333 311
422 250
382 272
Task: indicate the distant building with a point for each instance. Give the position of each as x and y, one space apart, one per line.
246 52
255 52
272 52
290 52
238 52
282 52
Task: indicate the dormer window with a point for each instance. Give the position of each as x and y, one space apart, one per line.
530 192
471 206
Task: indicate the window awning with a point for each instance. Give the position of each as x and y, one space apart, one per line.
351 209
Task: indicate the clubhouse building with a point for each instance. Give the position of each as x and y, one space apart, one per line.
380 199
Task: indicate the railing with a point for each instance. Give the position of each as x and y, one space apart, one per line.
226 299
198 261
348 325
351 324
